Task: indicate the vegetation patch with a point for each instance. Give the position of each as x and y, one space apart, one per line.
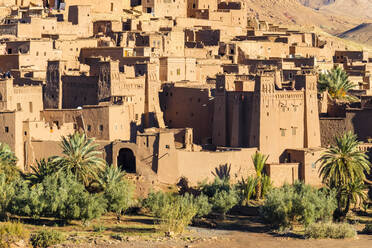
330 230
12 232
46 238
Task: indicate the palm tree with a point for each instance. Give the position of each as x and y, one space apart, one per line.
42 169
247 188
342 165
116 190
336 82
259 161
354 192
81 157
111 175
8 163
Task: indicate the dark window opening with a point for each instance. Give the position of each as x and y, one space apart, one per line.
7 129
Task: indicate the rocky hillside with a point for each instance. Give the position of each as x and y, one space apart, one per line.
353 8
361 33
316 4
292 12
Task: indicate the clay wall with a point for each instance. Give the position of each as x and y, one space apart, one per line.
198 166
175 8
188 107
173 69
263 49
102 123
71 49
78 91
283 173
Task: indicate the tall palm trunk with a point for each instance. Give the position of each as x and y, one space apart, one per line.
258 189
347 208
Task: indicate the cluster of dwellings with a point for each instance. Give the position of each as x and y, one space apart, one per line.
171 88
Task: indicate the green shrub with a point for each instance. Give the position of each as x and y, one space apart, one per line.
11 232
368 229
330 230
99 228
118 191
297 203
59 196
8 163
69 200
202 205
221 194
178 214
223 201
174 211
155 202
28 201
46 238
7 192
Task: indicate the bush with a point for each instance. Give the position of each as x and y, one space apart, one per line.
28 201
223 201
59 196
69 200
99 228
8 163
202 205
176 212
46 238
7 192
297 203
155 202
368 229
222 196
330 230
11 232
118 191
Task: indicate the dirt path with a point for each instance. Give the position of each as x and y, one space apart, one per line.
241 239
262 240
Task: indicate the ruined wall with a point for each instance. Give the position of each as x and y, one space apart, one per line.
329 128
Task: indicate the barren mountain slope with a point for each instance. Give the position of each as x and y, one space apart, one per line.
354 8
292 12
361 33
316 4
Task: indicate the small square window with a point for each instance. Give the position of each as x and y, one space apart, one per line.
89 128
7 129
294 130
282 132
101 128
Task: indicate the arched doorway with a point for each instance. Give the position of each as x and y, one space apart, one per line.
127 160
